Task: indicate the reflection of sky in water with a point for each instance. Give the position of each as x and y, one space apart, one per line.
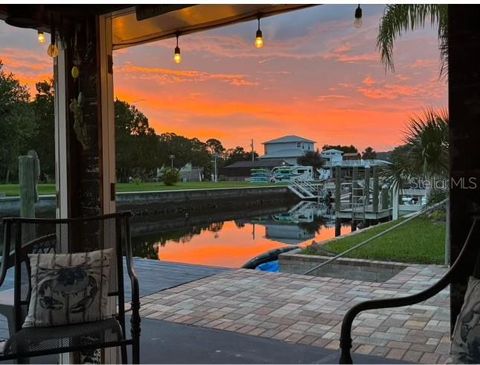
233 243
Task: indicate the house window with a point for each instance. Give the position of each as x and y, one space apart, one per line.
298 144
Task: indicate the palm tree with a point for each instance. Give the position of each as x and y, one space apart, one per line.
400 18
427 138
424 156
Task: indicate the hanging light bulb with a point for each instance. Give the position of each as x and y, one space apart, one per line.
357 23
41 37
259 36
52 50
177 57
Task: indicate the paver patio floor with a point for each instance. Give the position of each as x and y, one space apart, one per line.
309 310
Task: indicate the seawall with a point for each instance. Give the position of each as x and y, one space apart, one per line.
173 202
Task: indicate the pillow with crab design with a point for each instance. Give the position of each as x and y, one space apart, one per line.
465 346
68 288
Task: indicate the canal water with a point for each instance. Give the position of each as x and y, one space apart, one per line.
234 239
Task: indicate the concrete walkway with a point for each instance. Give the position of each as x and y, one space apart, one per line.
308 310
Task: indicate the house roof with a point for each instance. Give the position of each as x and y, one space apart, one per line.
332 150
257 163
289 139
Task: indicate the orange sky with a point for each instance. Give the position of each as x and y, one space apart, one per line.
317 76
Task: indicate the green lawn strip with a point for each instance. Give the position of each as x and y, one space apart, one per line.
421 241
46 189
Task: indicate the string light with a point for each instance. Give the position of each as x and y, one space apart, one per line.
41 37
177 57
52 50
357 23
259 36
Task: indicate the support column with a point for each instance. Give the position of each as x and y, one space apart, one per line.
375 189
464 110
61 135
338 188
108 154
84 116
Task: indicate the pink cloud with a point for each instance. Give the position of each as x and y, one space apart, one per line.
369 81
169 76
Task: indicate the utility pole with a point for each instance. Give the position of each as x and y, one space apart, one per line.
253 154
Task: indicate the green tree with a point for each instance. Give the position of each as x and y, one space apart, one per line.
399 18
345 149
427 139
425 153
43 140
214 146
369 154
238 154
311 158
16 124
136 143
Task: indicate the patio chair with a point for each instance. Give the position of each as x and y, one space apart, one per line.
464 259
83 269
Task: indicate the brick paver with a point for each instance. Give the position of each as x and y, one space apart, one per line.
309 310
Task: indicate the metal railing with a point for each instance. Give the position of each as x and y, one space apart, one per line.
378 235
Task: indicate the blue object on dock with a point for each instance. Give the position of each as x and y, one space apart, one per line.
270 266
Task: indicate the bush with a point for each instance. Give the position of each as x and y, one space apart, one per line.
171 177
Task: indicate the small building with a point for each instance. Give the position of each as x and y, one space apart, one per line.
288 148
332 157
241 170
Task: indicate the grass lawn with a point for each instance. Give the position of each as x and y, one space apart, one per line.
422 241
45 189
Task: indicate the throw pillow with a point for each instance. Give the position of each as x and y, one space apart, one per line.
465 346
68 288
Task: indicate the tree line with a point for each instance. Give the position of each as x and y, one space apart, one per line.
27 123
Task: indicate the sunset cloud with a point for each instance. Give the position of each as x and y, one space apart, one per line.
317 76
344 54
168 76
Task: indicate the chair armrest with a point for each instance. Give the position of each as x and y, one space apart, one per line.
345 334
133 280
5 252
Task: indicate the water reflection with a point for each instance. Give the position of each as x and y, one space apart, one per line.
233 240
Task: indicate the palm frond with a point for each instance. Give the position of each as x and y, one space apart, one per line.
427 138
400 18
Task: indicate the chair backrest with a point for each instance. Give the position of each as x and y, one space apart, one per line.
25 236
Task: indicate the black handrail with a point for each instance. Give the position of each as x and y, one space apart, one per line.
345 335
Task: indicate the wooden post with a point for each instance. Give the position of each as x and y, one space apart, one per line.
385 194
27 176
338 187
375 189
354 191
338 227
366 191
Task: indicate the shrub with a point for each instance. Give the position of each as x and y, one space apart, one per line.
171 177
